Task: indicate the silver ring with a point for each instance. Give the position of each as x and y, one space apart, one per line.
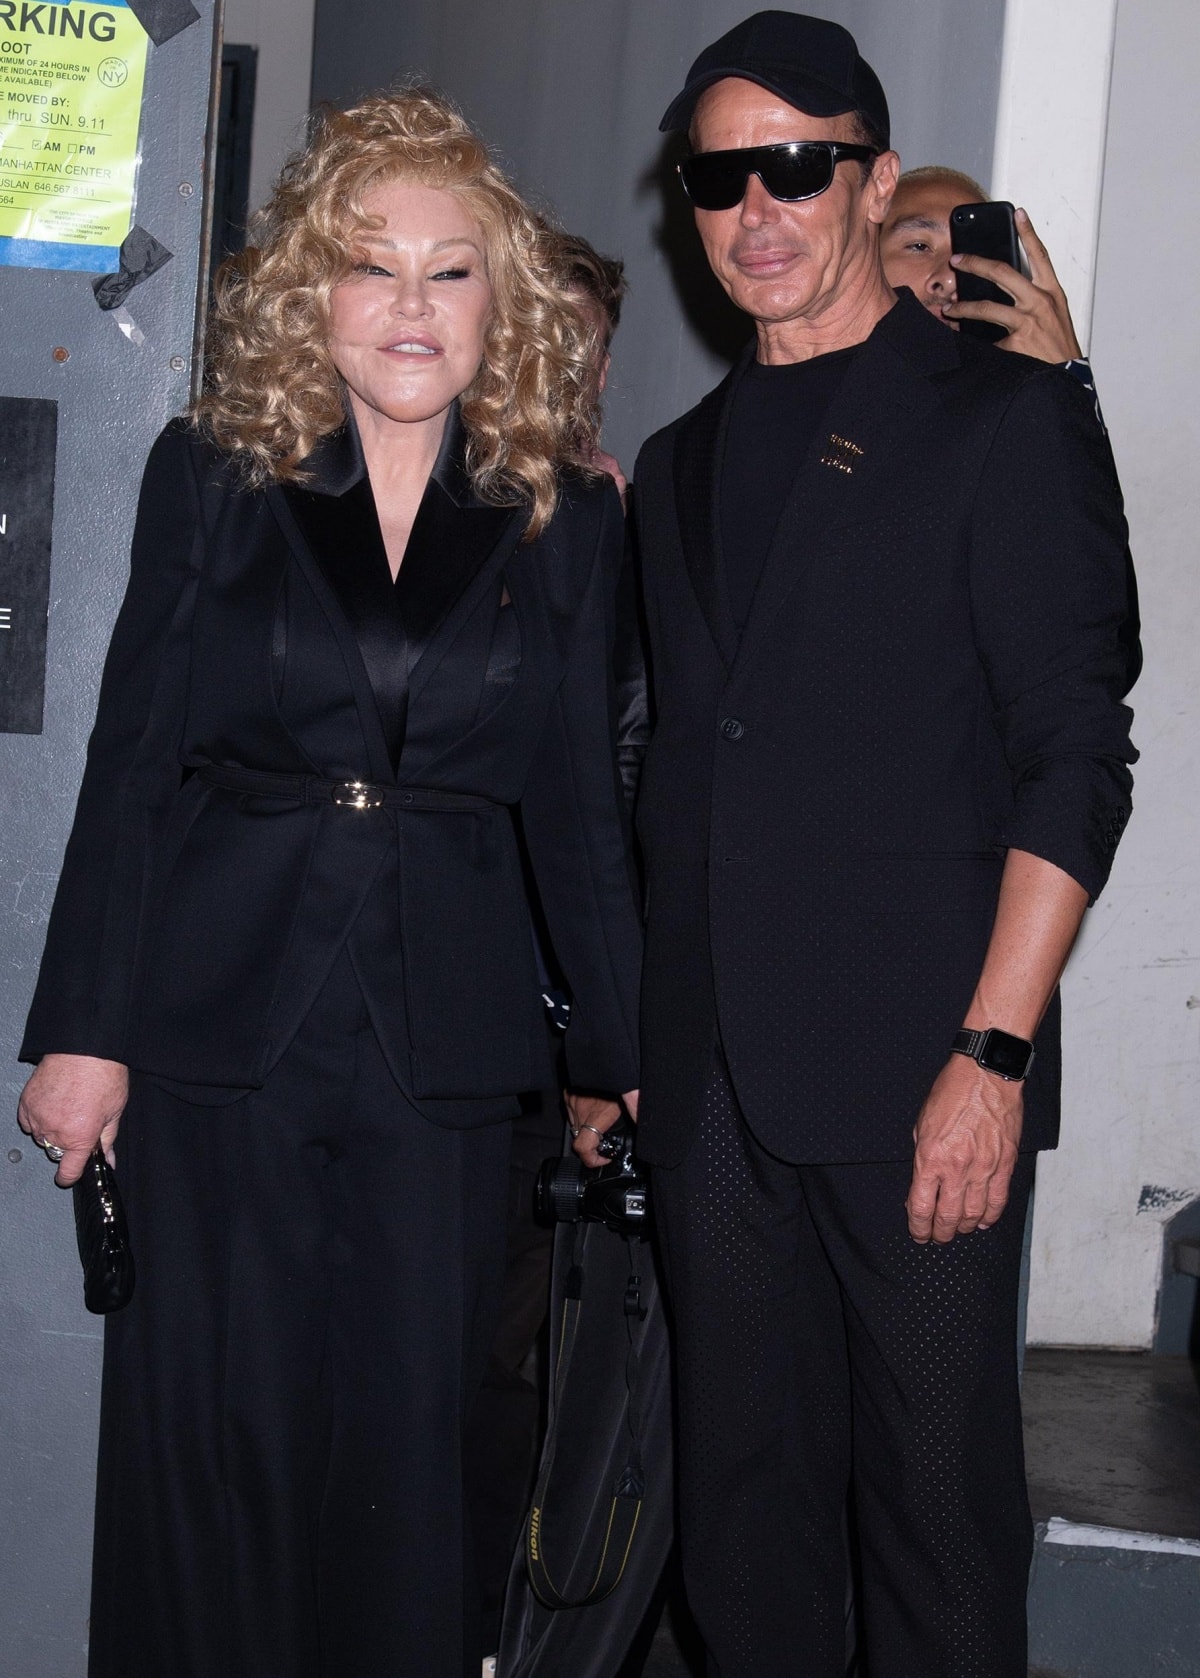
590 1127
54 1154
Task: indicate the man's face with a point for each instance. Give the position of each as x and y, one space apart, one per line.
779 261
916 242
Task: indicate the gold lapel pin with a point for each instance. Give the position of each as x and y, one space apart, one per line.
841 453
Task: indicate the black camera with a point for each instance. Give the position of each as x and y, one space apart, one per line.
616 1194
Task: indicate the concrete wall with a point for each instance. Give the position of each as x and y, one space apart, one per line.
572 93
282 30
1130 1155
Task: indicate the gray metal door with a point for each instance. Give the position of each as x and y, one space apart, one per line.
116 380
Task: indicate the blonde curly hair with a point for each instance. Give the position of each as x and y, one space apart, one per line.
271 389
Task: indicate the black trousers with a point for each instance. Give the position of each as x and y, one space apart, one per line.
822 1354
284 1400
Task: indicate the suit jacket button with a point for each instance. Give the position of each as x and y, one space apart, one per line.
731 728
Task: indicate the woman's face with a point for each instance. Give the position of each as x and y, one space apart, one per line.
406 331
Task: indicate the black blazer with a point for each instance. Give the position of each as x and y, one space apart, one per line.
195 923
931 672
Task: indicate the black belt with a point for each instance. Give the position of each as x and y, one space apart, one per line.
347 795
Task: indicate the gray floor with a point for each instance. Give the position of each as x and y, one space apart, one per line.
1111 1439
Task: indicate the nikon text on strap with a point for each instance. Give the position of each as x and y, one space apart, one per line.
629 1486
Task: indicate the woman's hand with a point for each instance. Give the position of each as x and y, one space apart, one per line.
72 1102
591 1116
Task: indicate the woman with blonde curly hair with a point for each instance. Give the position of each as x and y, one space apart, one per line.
367 635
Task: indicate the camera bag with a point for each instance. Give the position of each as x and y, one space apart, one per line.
602 1514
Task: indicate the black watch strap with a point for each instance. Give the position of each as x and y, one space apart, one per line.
996 1051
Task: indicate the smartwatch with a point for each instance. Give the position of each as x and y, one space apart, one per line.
1000 1052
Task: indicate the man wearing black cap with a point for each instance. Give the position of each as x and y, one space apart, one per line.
884 571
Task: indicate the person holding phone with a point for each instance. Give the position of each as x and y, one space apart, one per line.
916 248
917 253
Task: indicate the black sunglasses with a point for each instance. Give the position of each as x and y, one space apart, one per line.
716 180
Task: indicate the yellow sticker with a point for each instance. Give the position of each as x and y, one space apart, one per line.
71 80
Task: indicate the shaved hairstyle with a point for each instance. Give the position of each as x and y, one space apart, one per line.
936 174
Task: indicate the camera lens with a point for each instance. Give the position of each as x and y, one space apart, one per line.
559 1195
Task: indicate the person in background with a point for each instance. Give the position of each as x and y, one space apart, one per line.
597 284
502 1440
367 632
915 247
916 253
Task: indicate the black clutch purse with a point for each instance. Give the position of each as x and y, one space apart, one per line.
103 1237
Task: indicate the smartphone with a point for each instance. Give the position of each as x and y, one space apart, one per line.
984 230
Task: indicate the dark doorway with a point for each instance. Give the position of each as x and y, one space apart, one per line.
231 172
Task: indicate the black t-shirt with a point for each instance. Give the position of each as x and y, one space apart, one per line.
776 414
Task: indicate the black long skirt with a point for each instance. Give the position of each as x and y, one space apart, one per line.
280 1483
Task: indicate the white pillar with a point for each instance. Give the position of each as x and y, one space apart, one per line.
1130 1155
1051 128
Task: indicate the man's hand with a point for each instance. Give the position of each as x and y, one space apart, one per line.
966 1148
1039 321
72 1102
591 1116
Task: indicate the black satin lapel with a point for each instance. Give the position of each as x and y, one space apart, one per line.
322 525
345 534
848 472
457 553
446 549
699 445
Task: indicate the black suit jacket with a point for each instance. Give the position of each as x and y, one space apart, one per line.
931 672
195 924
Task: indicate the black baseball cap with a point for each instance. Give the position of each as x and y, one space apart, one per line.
809 62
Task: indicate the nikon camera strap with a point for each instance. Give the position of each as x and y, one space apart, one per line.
628 1489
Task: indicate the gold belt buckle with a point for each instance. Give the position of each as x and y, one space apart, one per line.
357 795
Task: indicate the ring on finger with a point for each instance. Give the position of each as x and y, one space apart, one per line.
53 1153
591 1127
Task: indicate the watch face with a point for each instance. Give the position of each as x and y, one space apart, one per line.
1003 1053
